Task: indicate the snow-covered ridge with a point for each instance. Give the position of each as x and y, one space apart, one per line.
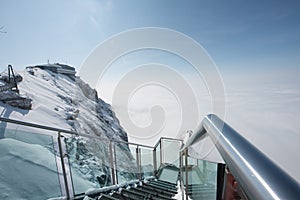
62 102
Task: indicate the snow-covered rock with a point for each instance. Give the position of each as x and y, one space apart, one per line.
57 99
62 102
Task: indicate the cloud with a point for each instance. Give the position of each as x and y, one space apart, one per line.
266 112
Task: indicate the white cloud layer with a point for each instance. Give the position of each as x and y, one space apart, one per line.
264 109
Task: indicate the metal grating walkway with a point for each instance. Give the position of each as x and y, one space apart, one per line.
155 189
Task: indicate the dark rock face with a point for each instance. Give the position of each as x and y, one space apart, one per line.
5 78
9 93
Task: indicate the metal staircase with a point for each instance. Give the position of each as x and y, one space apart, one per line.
150 188
154 189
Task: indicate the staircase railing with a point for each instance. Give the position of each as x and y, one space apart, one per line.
258 176
144 158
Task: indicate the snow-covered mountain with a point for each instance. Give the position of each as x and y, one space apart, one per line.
59 101
64 102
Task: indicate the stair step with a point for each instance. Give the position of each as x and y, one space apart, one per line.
106 197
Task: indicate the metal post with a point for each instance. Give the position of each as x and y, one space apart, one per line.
63 164
181 174
115 164
161 151
154 161
186 174
112 166
138 162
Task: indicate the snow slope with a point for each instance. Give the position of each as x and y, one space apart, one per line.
57 101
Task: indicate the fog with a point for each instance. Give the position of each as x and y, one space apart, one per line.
262 106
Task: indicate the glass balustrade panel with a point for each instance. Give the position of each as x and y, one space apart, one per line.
147 167
28 165
89 161
126 162
170 151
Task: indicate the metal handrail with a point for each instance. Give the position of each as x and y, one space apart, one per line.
37 126
132 143
59 130
258 176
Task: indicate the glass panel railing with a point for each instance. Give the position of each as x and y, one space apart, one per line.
89 160
28 166
126 162
170 151
200 180
192 161
210 172
147 167
169 174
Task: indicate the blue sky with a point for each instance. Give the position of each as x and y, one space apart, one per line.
255 44
237 34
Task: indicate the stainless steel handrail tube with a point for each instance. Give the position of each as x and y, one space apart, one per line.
28 124
36 126
258 176
132 143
